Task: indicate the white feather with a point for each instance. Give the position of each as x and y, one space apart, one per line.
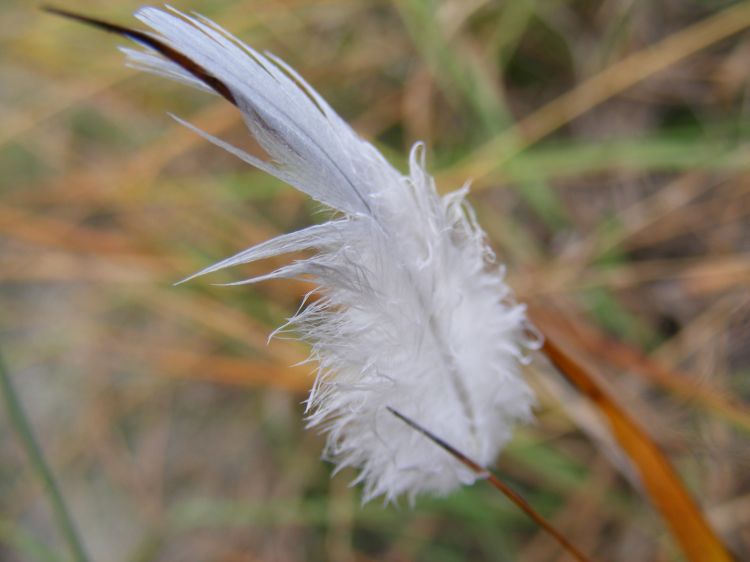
411 313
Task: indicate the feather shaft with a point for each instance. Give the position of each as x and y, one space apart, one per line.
411 313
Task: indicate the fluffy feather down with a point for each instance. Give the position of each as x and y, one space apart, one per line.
411 313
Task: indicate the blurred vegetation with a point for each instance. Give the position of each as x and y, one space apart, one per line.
608 144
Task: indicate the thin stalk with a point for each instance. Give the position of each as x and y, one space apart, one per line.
661 481
485 474
20 422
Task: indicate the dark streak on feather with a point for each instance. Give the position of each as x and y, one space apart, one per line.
147 40
199 72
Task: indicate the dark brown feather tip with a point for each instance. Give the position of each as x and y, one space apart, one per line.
147 40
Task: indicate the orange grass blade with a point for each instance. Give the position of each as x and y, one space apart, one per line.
485 474
688 525
678 382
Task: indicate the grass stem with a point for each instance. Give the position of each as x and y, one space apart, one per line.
680 511
506 490
20 422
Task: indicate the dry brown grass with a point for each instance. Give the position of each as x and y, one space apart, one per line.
609 144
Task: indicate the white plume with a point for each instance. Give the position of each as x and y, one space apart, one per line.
410 313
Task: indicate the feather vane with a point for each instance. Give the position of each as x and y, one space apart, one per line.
412 314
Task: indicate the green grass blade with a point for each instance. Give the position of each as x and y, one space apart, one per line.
20 422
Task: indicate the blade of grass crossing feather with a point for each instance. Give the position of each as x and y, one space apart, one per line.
485 474
662 483
20 422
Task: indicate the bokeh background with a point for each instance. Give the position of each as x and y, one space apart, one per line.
608 143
